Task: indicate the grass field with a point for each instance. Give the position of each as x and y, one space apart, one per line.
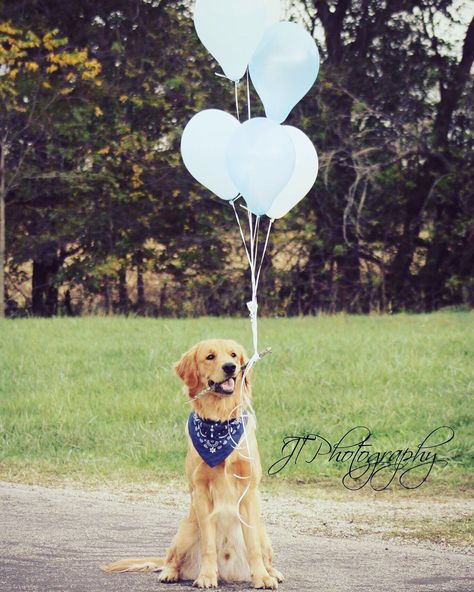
95 399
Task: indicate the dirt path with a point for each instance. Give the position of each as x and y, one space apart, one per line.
54 540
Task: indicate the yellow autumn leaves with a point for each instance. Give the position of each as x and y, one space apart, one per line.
30 62
47 58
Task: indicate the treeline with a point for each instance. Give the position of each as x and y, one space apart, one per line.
100 215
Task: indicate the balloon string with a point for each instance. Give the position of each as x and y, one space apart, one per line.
236 88
251 252
264 251
252 244
257 228
245 403
249 215
240 227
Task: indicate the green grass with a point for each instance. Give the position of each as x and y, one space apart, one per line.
96 399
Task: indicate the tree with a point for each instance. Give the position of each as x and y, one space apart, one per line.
375 118
103 197
38 72
133 192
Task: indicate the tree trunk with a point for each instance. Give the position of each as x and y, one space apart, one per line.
349 280
163 299
333 21
141 302
2 228
44 289
107 295
68 304
452 89
466 269
398 277
436 165
123 294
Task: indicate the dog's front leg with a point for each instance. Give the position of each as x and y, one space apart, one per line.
250 508
267 553
202 505
183 540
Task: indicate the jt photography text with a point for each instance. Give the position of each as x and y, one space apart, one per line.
411 467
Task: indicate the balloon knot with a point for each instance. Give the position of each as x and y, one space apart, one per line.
252 305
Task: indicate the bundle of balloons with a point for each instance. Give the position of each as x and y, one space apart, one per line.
270 166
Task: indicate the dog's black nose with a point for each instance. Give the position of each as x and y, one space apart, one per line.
229 368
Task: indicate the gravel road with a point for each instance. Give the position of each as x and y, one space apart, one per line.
55 540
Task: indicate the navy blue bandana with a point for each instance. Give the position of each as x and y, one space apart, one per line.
215 440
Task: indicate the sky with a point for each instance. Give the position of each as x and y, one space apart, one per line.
461 10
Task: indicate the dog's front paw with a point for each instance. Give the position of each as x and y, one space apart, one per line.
205 581
266 582
169 574
276 574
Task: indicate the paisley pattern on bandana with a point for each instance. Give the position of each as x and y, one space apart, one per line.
215 440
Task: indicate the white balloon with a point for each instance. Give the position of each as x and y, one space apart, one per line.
204 147
303 177
274 12
260 159
231 31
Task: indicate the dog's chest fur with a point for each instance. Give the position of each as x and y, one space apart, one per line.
232 562
225 491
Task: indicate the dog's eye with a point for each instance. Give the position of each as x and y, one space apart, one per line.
233 354
210 357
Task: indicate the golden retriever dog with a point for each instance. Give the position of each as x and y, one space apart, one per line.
223 536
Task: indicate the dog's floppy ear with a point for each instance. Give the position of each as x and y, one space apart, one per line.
243 359
187 369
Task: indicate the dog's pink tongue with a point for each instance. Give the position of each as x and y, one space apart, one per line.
228 385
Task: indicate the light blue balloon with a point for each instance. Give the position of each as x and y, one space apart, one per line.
284 68
260 159
231 31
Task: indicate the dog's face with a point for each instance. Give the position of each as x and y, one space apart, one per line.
213 363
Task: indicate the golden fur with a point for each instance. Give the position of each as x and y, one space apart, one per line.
220 538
